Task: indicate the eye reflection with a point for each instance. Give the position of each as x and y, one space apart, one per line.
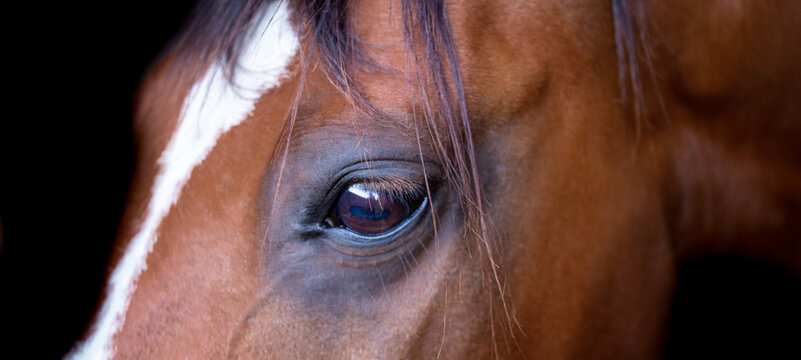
369 212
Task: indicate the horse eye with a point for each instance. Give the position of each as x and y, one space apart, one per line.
369 212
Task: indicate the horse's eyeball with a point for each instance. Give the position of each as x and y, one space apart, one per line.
369 212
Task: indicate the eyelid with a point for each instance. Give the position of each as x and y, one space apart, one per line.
406 182
407 188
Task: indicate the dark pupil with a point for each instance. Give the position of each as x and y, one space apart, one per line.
369 212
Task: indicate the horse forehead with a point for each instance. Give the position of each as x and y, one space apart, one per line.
512 52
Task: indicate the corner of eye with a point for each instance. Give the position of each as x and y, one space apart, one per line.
310 234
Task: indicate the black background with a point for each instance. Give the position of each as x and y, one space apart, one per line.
67 158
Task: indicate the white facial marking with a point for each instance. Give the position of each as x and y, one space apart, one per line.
212 107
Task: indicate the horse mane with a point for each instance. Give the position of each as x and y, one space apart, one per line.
216 31
631 40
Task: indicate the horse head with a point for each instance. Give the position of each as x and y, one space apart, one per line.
455 179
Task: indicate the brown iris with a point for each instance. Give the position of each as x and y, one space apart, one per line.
369 212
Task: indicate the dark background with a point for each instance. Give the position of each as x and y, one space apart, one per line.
67 157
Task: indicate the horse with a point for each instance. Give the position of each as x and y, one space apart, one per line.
449 179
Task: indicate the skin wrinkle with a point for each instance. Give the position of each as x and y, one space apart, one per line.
591 215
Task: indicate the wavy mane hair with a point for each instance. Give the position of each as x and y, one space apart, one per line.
216 31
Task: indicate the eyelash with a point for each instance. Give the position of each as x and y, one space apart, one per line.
409 189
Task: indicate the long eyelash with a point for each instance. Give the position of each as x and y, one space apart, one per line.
409 189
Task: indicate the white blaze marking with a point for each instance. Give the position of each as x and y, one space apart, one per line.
212 107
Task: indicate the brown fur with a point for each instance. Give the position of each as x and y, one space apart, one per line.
593 215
